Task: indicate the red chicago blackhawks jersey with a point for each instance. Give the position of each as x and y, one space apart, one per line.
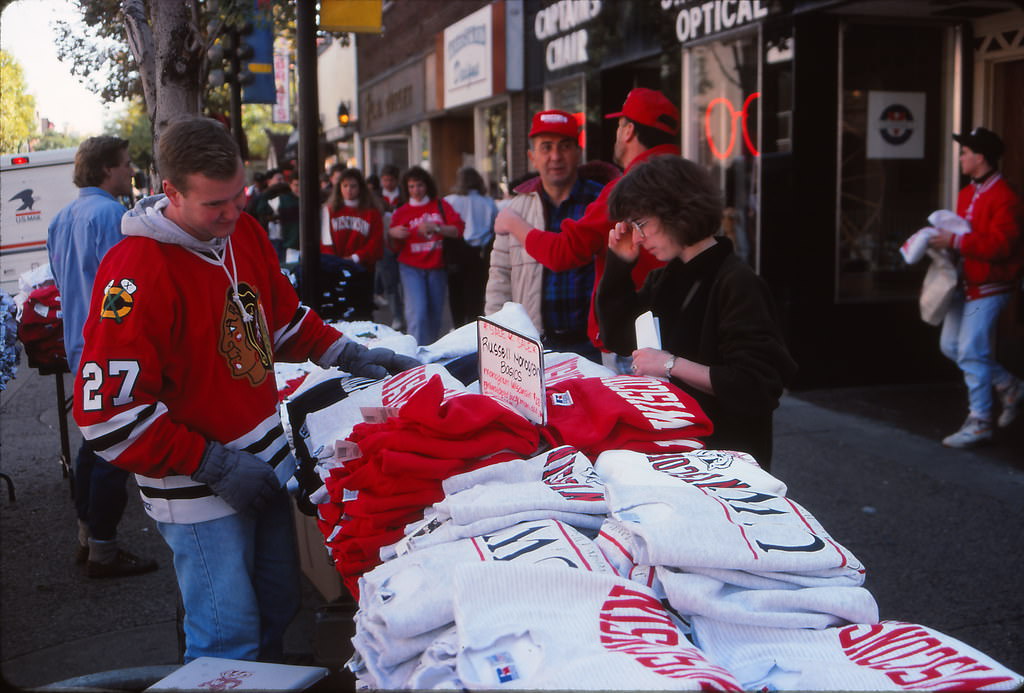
172 360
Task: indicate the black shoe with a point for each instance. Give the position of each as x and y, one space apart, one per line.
81 555
126 564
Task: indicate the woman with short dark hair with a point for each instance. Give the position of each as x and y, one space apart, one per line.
719 329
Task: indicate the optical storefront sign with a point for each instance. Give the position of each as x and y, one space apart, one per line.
468 68
696 20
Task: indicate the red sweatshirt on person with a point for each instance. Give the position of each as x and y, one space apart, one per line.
586 239
419 249
352 231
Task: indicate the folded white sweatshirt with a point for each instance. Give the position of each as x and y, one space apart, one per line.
378 675
436 667
463 340
711 469
433 530
562 480
886 656
412 594
686 526
692 594
564 463
533 627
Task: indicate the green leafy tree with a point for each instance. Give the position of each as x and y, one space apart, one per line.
157 50
132 124
17 107
51 139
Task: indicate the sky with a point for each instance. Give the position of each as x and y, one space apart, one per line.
26 33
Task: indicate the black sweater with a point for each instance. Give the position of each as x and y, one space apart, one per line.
716 311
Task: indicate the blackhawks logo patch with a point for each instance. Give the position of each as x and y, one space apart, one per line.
118 300
245 340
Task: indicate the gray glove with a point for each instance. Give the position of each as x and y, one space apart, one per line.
372 363
244 481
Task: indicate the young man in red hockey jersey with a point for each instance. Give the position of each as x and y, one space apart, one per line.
188 315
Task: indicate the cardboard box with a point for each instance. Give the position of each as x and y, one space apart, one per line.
314 560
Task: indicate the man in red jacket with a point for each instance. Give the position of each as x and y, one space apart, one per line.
991 255
648 126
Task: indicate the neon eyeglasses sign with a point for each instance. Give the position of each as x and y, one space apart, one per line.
733 116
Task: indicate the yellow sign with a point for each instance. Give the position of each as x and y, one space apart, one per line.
358 16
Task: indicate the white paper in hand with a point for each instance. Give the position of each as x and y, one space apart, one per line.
648 331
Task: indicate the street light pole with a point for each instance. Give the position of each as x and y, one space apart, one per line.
309 178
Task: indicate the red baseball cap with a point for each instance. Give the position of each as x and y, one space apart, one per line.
651 108
555 123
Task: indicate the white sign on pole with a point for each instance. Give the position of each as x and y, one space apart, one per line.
512 369
282 111
895 126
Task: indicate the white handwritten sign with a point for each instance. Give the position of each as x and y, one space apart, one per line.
511 369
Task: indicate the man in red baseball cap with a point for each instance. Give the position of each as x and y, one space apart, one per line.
558 302
648 125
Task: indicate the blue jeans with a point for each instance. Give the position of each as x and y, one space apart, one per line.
967 338
239 582
100 494
424 292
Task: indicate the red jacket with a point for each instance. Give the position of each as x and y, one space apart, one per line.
353 231
585 239
419 250
993 252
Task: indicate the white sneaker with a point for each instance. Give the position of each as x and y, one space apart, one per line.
975 431
1012 397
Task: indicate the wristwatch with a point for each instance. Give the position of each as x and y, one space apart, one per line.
668 366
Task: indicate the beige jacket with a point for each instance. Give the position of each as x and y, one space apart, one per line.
514 275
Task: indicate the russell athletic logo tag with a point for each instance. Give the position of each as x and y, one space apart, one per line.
118 300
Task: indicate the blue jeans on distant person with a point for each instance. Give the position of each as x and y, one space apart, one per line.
968 336
424 292
100 494
239 582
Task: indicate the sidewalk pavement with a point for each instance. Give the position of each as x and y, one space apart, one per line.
939 530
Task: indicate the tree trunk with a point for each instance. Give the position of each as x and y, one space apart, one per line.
168 49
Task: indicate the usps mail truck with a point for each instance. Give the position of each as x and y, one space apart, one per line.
34 186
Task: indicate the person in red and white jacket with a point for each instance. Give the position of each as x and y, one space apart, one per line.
351 226
991 257
188 314
417 230
648 125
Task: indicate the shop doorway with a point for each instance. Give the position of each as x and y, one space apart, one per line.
1007 107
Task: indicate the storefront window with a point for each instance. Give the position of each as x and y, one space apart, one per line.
494 163
892 148
723 113
388 150
567 95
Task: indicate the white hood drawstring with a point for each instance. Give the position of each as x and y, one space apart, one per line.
147 219
232 277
